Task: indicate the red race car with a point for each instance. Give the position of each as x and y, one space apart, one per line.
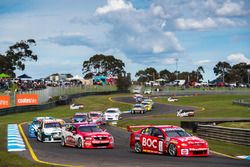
164 139
83 135
97 117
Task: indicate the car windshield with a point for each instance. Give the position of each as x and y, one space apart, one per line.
111 111
137 106
144 103
89 129
177 133
35 122
80 116
94 115
52 125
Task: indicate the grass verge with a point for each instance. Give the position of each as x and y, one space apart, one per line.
244 125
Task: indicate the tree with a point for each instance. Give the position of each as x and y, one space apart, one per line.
199 76
123 83
239 73
149 74
100 64
165 74
15 57
222 69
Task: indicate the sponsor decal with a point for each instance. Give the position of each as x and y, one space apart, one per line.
26 99
149 143
184 151
4 101
160 145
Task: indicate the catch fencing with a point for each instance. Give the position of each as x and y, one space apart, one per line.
232 135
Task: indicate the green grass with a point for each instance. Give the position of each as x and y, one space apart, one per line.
244 125
215 105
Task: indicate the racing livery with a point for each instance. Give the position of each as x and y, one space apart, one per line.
80 117
169 139
76 106
185 113
34 126
138 108
97 117
112 114
84 135
49 131
147 105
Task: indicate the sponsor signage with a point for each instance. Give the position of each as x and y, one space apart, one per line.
4 101
26 99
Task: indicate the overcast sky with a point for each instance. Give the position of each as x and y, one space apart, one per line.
142 33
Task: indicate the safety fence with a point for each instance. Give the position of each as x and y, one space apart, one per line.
242 102
45 106
232 135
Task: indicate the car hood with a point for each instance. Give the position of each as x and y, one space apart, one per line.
189 140
92 134
111 114
52 130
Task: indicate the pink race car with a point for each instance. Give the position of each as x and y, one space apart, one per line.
169 139
84 135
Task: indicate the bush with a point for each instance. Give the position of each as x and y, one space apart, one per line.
123 83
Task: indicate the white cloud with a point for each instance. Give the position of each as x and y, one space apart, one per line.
184 24
114 5
202 62
231 9
238 58
169 60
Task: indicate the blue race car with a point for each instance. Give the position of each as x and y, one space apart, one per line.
34 125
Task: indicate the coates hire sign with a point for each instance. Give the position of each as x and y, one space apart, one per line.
4 101
26 99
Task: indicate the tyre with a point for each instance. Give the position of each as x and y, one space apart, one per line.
172 150
138 147
62 142
79 143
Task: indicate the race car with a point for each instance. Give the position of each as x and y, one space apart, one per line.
165 139
112 114
172 99
80 117
97 117
49 131
34 126
86 136
147 91
138 108
76 106
146 99
185 113
147 105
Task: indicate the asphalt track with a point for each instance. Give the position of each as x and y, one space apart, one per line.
121 155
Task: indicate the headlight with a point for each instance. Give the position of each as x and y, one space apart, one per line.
88 138
184 144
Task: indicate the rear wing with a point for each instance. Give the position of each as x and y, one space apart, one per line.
129 128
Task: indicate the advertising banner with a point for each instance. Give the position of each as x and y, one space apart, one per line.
4 101
26 99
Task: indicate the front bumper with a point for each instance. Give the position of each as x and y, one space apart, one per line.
98 144
52 138
191 152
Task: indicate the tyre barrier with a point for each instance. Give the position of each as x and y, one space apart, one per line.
232 135
242 102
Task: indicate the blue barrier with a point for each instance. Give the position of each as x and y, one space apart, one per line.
15 141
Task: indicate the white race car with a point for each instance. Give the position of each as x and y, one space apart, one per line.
172 99
185 113
112 114
97 117
76 106
49 131
147 91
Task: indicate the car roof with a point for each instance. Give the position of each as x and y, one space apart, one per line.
113 109
80 113
95 112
